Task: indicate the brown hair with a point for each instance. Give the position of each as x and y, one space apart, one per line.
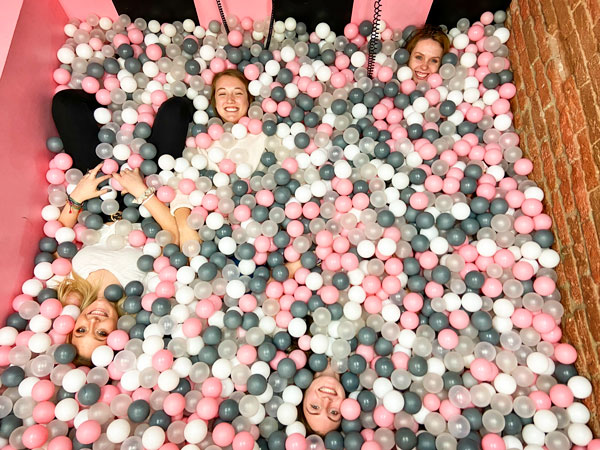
229 73
302 418
428 32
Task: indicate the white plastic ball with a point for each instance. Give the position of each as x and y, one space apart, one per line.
74 380
153 438
287 413
195 431
118 430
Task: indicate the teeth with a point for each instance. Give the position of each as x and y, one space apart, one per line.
327 390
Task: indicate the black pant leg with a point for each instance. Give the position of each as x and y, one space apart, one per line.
171 126
73 114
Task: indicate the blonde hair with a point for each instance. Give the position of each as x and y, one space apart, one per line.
78 285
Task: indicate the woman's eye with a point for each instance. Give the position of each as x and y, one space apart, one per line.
102 333
334 412
314 406
80 330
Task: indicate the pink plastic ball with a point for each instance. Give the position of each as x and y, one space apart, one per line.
351 30
174 404
59 443
235 38
295 441
154 52
544 286
88 432
243 441
43 412
448 339
492 442
223 434
63 324
55 176
42 390
162 360
90 85
350 409
251 72
117 340
212 387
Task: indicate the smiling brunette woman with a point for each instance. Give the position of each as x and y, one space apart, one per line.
426 46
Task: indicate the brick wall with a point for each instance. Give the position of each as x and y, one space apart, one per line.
555 55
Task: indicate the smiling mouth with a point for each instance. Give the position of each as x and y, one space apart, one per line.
327 390
231 109
98 313
421 74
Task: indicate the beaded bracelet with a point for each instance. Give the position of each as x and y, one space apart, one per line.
145 196
73 204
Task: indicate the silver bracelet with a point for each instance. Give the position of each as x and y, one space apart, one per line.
145 196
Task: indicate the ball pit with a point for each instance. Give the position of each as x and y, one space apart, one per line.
426 272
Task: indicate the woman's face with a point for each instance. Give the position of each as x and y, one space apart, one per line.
425 59
93 326
321 404
231 98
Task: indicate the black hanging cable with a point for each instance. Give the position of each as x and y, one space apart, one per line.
374 37
268 42
222 16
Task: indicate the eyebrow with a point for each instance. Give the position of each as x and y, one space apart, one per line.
82 335
318 414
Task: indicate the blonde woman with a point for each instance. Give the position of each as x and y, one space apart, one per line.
97 266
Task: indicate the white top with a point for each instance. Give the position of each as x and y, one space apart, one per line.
247 150
121 263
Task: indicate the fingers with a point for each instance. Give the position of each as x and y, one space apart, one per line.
101 192
101 179
96 169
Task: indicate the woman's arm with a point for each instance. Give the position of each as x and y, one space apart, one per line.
86 189
132 183
185 232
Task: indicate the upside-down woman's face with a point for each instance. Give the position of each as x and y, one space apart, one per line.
231 98
93 326
425 59
321 404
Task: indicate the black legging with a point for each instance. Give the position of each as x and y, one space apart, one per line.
73 113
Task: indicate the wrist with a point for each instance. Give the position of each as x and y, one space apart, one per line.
77 198
144 195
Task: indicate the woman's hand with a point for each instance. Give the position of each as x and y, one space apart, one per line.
132 182
87 187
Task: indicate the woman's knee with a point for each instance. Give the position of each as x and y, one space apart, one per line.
177 107
71 100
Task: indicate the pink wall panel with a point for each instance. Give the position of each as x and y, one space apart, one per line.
26 89
8 21
396 14
82 8
256 9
